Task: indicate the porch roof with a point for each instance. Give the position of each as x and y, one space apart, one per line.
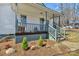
36 9
48 9
42 4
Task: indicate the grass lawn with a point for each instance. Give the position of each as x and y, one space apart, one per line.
73 36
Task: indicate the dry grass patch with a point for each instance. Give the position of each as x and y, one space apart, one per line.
73 36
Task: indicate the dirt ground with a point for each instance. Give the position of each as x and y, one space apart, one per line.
55 49
2 47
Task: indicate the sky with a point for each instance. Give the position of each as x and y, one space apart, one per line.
53 6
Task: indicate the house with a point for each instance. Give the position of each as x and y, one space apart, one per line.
31 20
74 23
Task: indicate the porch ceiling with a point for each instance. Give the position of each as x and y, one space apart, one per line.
49 10
35 10
25 9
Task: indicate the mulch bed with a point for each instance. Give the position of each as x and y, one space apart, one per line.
2 47
42 51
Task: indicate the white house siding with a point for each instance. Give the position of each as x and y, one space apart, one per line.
7 19
34 20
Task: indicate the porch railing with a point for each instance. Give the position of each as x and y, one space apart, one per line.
60 31
52 31
30 27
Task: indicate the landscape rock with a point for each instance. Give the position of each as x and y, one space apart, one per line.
44 43
32 43
33 47
48 46
10 51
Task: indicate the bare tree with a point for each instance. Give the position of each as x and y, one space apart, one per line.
61 7
70 11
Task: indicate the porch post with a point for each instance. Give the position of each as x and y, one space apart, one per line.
59 21
59 24
16 23
53 20
47 24
54 23
46 21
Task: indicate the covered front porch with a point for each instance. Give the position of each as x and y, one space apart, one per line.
34 20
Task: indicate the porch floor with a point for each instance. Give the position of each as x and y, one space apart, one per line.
30 33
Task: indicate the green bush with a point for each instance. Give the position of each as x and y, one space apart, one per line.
40 41
24 43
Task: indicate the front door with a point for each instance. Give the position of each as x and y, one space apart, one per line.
41 24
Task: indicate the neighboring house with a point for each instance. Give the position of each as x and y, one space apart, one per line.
30 20
74 24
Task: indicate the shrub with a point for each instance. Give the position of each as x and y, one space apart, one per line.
40 41
24 43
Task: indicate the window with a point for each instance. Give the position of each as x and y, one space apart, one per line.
23 19
22 23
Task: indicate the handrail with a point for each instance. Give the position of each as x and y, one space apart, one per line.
52 27
53 32
31 23
60 30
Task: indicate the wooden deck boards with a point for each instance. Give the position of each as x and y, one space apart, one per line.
31 33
